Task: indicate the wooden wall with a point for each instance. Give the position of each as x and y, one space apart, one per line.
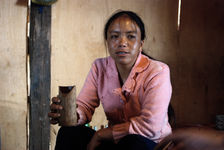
13 85
198 70
194 52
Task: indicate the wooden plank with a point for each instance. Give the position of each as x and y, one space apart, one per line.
13 85
200 63
40 50
0 140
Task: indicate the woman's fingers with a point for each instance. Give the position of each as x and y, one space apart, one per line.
54 115
53 121
55 110
56 107
55 100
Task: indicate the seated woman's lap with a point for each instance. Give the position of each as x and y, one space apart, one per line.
77 138
70 138
136 142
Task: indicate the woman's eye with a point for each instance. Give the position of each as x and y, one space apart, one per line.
131 36
114 36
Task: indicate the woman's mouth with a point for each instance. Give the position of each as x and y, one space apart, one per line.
121 53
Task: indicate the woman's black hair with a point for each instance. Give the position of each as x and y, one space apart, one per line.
133 16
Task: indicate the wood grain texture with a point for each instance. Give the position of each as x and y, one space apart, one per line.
194 53
198 69
13 88
40 51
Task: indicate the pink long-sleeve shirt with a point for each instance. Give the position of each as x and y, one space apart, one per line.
138 107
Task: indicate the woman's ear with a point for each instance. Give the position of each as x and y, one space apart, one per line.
141 46
107 50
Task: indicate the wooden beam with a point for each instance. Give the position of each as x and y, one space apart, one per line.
40 78
0 140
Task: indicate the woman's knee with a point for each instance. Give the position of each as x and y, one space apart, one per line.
136 142
71 137
80 130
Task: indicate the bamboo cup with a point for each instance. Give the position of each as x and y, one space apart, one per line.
67 95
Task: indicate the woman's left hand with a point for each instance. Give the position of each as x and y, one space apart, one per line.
101 135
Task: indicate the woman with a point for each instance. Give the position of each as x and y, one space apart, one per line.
135 92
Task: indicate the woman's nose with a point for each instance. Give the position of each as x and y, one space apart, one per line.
123 42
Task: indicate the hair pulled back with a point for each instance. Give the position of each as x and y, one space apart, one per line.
133 16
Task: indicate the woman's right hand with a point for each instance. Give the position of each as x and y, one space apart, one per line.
54 107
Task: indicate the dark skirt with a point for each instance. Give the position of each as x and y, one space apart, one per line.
78 137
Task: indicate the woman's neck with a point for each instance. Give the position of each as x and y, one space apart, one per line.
124 72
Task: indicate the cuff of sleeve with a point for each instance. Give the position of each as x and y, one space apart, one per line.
120 130
82 117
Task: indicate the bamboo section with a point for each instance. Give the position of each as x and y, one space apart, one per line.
67 95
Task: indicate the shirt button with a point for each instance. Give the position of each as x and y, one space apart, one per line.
121 101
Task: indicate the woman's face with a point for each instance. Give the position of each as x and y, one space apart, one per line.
124 41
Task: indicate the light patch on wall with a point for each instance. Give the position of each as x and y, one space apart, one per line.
28 72
179 15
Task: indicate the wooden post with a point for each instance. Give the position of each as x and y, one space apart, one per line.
39 50
0 139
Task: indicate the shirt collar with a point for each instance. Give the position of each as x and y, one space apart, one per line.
141 64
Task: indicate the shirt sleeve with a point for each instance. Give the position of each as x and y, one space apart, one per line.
154 105
87 99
